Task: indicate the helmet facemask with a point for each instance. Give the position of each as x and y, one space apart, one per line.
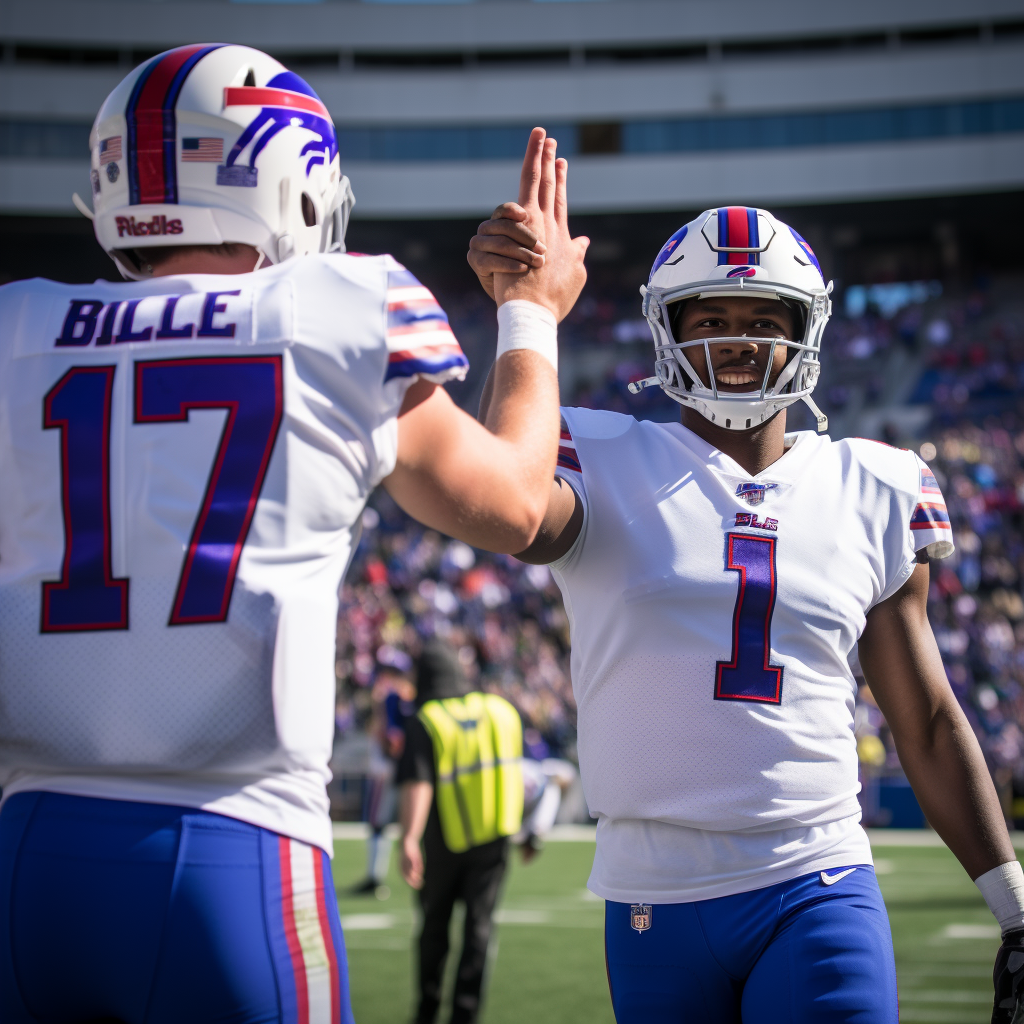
737 410
730 253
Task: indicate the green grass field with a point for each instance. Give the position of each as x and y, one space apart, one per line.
549 966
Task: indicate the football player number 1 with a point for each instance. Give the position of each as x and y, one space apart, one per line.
88 596
749 674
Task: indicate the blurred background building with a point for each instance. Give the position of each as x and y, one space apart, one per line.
891 135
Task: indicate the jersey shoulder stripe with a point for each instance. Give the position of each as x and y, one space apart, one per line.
929 516
419 338
567 457
929 523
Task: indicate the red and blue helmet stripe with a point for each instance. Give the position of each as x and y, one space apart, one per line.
737 229
153 125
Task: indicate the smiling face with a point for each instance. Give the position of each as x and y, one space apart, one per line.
738 366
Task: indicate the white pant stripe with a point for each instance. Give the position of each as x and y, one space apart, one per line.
308 929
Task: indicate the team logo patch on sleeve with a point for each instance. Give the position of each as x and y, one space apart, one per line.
640 916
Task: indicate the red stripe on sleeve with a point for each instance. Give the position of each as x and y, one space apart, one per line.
291 935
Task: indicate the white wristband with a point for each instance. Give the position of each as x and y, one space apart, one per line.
1003 889
523 324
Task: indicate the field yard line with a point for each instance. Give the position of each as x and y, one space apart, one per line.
367 922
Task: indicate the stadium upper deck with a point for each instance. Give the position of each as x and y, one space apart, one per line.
667 103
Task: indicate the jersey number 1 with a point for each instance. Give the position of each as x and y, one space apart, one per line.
88 596
748 675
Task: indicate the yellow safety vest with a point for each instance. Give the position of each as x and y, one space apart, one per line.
478 747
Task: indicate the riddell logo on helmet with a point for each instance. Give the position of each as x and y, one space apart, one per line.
159 225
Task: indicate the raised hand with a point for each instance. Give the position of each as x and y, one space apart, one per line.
524 251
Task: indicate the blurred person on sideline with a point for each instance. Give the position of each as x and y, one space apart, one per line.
544 784
393 695
185 458
725 577
461 796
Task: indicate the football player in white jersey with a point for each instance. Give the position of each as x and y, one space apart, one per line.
722 577
184 460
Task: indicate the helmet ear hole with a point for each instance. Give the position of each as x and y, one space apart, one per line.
250 78
308 210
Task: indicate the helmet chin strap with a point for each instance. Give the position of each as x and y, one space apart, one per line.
821 420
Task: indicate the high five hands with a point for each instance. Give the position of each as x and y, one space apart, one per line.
524 251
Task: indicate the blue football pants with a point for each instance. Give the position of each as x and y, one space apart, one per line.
800 952
137 913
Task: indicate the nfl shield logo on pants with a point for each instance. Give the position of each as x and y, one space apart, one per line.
640 916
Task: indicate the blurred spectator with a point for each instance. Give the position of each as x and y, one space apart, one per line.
393 695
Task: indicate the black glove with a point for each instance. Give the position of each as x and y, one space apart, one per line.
1008 979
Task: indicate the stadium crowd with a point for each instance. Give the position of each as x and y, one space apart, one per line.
962 370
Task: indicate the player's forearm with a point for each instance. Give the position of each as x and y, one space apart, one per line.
935 742
486 485
486 396
414 808
947 771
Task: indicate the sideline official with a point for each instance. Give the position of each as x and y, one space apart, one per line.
462 795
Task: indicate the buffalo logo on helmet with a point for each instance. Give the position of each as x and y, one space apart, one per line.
742 272
640 916
808 251
284 102
668 248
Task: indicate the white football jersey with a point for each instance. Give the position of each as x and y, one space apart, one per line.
714 616
184 464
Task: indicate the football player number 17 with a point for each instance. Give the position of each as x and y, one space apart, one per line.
88 596
749 674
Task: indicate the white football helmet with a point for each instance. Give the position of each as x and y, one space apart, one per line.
737 251
215 143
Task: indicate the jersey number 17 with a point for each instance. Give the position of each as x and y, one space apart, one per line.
88 596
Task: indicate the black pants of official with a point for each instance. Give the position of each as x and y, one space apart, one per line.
474 877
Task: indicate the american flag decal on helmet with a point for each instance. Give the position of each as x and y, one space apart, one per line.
202 151
110 149
420 340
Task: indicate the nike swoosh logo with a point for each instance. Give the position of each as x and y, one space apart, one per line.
832 879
